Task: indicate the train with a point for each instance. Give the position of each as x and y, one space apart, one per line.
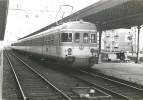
73 44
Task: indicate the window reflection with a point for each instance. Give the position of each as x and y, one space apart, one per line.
77 37
85 38
93 38
66 37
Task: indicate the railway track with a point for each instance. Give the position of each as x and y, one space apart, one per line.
67 84
92 71
115 96
10 91
34 86
117 89
127 91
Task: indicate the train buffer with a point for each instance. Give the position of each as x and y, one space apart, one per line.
90 93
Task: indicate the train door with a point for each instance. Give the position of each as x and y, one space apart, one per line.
78 40
84 40
58 44
45 46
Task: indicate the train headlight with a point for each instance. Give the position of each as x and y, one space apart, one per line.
69 51
92 51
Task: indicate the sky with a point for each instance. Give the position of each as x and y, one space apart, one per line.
27 16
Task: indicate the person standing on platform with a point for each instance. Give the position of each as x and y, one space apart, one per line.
122 56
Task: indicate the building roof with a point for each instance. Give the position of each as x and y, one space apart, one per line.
3 17
108 14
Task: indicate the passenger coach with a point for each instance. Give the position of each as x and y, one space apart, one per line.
73 44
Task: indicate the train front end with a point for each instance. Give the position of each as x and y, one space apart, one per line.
79 44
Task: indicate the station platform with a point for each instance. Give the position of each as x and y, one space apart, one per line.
1 72
126 71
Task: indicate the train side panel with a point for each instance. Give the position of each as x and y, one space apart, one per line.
54 43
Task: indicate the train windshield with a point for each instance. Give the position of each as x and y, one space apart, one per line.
77 37
85 38
66 37
93 38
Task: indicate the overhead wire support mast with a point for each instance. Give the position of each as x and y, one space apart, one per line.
138 45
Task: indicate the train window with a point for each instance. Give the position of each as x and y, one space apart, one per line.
85 38
66 37
77 37
93 38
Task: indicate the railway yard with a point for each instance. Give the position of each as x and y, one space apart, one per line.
26 78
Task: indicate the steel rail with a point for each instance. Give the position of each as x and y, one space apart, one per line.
47 81
102 88
111 80
16 77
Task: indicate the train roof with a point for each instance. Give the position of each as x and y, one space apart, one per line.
63 26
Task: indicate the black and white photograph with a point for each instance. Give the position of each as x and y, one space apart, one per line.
71 49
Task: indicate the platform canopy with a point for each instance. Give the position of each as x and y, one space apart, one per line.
108 14
3 17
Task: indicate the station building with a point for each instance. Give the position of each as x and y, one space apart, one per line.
119 39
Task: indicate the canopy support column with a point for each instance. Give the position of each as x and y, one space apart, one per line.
138 46
99 51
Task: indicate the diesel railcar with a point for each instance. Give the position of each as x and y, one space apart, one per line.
73 44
